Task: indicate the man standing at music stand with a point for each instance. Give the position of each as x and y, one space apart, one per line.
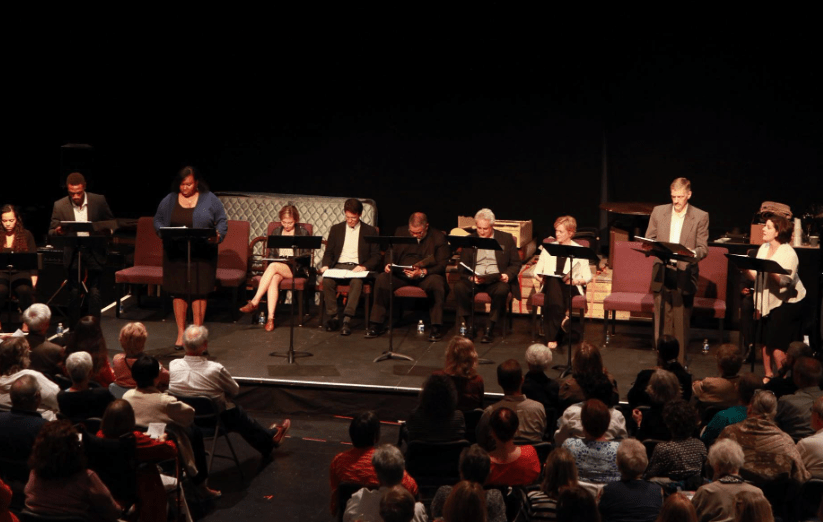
80 205
676 283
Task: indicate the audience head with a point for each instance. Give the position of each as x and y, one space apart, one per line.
37 317
764 404
797 349
397 505
466 503
364 430
560 471
510 376
750 506
475 464
145 370
58 452
133 339
729 360
663 387
14 355
783 227
817 414
79 366
195 339
438 398
118 419
504 424
668 348
538 357
25 393
587 359
388 465
677 508
632 459
184 173
681 419
88 337
747 385
725 458
576 504
807 372
461 357
595 417
597 386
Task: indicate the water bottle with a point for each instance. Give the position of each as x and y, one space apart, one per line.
60 329
421 328
261 319
705 346
463 328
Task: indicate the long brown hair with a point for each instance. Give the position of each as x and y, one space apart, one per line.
19 244
461 357
560 471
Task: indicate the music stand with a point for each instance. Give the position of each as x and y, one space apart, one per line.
12 261
81 236
571 252
390 241
475 243
762 267
295 243
188 235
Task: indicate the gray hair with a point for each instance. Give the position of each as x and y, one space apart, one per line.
539 355
79 364
764 403
485 213
37 316
663 387
195 337
388 465
632 459
726 457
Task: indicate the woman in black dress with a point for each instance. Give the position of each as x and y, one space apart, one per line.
16 239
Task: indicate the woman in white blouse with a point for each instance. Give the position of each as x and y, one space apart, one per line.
554 276
779 299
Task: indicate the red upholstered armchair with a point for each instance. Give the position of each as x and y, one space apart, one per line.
233 260
148 261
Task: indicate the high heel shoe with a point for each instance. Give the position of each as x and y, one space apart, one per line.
270 324
248 308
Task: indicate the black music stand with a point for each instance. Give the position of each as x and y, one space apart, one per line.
295 243
188 235
571 252
12 261
390 241
81 236
762 267
475 243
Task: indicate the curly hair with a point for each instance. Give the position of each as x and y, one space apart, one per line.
461 357
19 244
14 355
57 452
133 338
438 398
681 419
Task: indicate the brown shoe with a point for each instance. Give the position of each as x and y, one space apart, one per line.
248 308
270 324
282 429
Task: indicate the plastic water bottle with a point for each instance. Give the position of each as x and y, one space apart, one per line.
261 318
705 346
463 328
60 329
421 328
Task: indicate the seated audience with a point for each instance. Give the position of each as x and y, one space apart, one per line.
14 363
560 472
46 357
474 466
576 504
794 411
720 392
586 360
596 457
436 418
60 483
667 351
631 499
81 401
461 366
530 413
681 458
782 383
715 501
811 448
510 465
398 505
88 337
598 387
752 507
355 465
677 508
747 385
20 426
538 386
133 340
389 468
5 502
466 503
769 452
663 388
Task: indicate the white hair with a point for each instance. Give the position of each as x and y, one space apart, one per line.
37 316
486 214
79 364
539 355
195 337
726 456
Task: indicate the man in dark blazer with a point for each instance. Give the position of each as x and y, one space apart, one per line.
428 259
675 284
496 274
80 205
20 426
347 249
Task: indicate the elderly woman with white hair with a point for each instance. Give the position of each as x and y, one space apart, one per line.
631 498
538 386
715 500
769 451
82 401
133 340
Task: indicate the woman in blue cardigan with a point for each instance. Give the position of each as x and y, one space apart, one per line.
190 204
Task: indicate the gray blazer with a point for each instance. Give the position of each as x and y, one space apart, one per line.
694 235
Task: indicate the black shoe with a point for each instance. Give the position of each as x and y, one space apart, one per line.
488 336
346 330
471 333
332 325
435 334
375 331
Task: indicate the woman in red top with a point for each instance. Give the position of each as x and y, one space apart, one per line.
510 465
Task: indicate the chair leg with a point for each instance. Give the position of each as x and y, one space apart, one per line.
234 455
720 340
605 327
534 323
300 306
120 289
235 312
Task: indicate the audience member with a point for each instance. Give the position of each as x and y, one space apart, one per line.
88 337
538 386
474 466
794 411
560 471
81 401
355 465
667 351
631 499
720 392
133 340
681 458
20 426
46 357
398 505
461 366
530 413
663 388
576 504
436 418
14 363
783 381
594 386
752 507
586 360
5 503
510 465
715 500
769 452
677 508
811 448
466 503
747 385
60 483
596 457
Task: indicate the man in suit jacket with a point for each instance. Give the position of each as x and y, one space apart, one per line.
347 249
676 284
80 205
496 273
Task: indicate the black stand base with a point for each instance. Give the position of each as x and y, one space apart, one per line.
392 355
291 355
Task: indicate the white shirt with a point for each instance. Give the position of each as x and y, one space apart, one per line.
364 506
349 254
195 375
547 264
570 424
81 212
790 289
48 390
811 451
677 224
